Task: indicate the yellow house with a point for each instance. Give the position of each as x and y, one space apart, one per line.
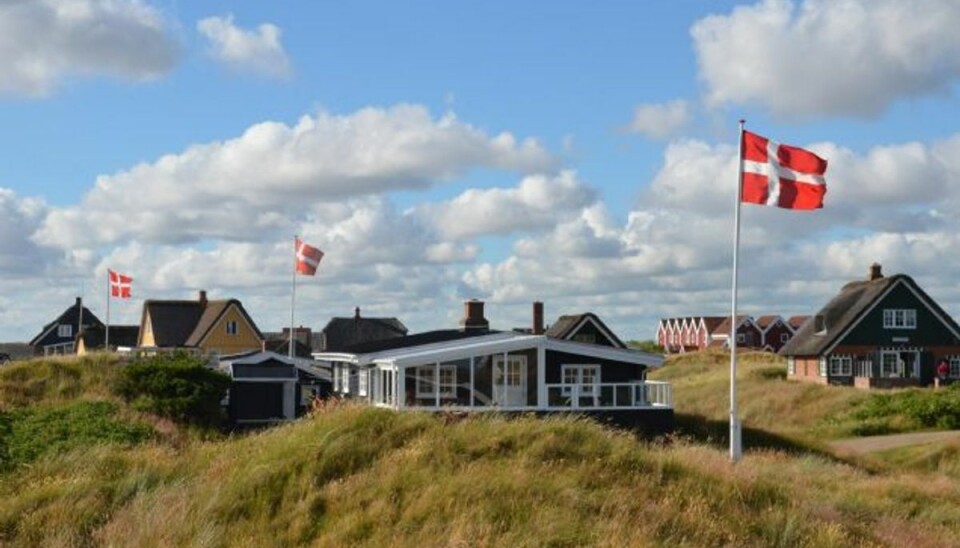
221 326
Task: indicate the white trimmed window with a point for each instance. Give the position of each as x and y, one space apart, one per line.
741 338
588 338
841 366
791 366
65 331
890 365
430 378
231 328
823 367
955 367
784 337
362 377
899 318
586 376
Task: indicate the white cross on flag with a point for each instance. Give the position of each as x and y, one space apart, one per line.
308 258
781 175
120 285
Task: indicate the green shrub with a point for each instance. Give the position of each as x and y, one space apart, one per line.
176 386
30 433
923 407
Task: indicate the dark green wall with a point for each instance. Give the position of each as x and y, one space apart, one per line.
930 331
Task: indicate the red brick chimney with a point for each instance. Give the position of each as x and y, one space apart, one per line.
537 318
875 272
473 316
203 298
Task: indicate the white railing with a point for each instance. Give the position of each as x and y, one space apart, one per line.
628 395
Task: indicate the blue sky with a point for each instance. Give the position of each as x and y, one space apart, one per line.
581 155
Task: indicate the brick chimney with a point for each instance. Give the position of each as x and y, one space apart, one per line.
203 298
875 272
356 313
537 318
473 316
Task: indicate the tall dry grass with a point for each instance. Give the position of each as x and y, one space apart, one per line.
355 476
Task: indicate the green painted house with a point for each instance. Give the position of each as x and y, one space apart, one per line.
882 332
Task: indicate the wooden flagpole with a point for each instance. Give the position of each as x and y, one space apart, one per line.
736 445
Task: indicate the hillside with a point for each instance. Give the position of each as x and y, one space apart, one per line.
356 476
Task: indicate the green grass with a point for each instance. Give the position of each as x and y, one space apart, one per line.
357 476
52 380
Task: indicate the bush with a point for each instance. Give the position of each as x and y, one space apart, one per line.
924 407
176 386
30 433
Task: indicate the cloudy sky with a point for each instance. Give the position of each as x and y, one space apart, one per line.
579 155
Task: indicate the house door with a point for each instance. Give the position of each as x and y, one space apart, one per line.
510 381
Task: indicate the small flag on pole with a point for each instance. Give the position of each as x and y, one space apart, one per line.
308 258
781 175
120 285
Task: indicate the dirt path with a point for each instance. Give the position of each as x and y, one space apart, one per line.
870 444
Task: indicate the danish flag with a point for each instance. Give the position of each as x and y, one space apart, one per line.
308 258
120 285
781 175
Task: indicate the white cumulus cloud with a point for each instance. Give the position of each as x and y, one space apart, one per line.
257 51
828 57
251 185
661 120
44 41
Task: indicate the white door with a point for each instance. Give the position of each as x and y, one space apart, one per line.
510 381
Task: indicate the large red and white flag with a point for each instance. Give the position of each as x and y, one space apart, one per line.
781 175
120 285
308 258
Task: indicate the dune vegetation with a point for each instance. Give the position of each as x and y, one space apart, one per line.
349 475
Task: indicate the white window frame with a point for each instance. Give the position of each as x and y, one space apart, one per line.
900 318
784 337
576 374
231 327
791 366
823 367
954 367
840 366
64 330
741 338
431 378
897 365
362 382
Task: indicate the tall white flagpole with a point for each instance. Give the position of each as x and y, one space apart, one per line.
293 298
106 337
736 445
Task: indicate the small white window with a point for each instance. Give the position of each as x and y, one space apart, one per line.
784 337
823 367
231 328
841 366
428 382
586 376
741 338
900 318
955 367
791 366
65 331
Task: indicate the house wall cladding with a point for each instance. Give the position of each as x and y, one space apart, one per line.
870 331
610 371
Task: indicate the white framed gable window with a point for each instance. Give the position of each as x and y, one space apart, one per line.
64 331
784 337
841 366
899 318
231 328
955 367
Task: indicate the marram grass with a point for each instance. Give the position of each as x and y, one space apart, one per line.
353 476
